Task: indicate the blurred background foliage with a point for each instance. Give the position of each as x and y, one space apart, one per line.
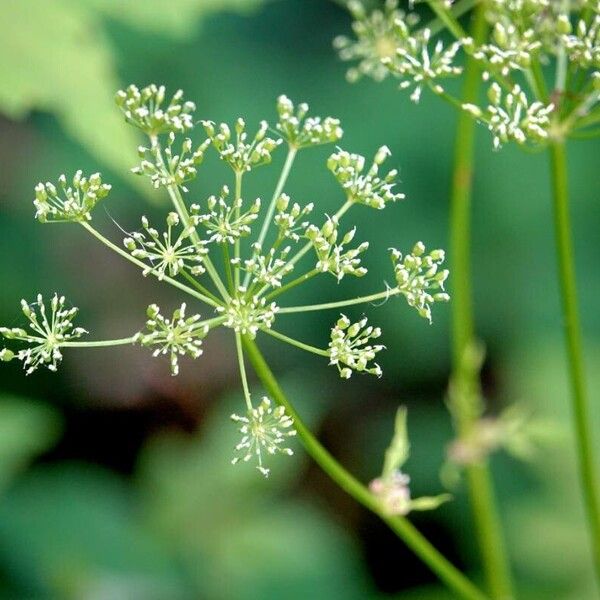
114 477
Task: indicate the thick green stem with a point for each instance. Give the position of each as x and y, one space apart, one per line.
445 570
479 481
580 403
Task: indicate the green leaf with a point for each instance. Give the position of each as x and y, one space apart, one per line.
398 450
429 502
27 428
180 20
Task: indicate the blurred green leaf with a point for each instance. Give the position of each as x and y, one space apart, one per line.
65 64
27 428
179 20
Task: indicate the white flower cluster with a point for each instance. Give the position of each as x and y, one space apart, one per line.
175 337
240 280
523 37
332 257
270 268
419 278
288 218
512 117
350 348
239 153
263 429
415 65
144 109
225 222
74 202
584 45
49 334
364 188
168 254
177 169
375 40
300 131
247 315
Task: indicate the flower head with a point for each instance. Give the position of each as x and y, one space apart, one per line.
350 348
419 278
417 65
240 153
176 169
263 429
73 202
364 188
144 109
288 218
333 257
301 131
224 219
375 41
167 254
247 315
175 337
50 332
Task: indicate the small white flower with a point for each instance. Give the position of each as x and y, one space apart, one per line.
288 218
49 334
301 131
144 109
512 118
237 151
248 315
376 39
364 188
416 65
224 221
270 268
333 257
177 336
76 201
419 278
167 253
350 348
174 169
264 430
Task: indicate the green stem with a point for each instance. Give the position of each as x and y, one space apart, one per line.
291 284
480 485
142 265
227 267
458 9
341 303
289 161
236 246
192 281
580 402
100 343
445 570
297 343
447 18
242 367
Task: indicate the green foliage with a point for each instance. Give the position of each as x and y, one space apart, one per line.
66 64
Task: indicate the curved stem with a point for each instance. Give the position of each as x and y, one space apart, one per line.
479 481
290 285
297 343
341 303
445 570
572 329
